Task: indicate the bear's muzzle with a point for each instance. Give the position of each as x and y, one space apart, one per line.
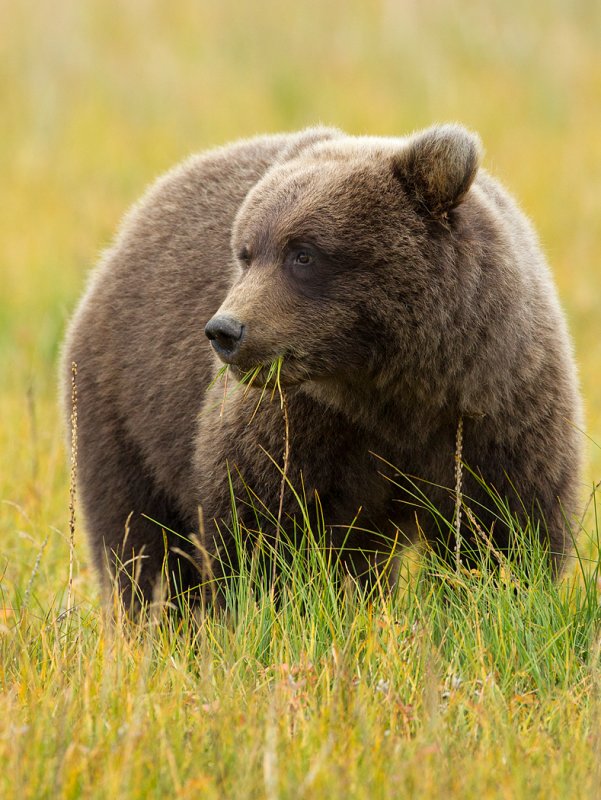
225 334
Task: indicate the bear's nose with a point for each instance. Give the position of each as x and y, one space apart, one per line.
224 334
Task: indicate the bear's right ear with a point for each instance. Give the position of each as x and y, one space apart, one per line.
437 166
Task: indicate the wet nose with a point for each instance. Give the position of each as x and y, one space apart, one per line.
225 334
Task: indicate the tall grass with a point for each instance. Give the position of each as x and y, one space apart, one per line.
454 682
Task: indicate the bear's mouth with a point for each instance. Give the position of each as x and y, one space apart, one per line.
279 372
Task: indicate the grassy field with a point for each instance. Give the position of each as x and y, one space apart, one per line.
454 686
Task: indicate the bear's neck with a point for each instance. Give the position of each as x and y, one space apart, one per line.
400 411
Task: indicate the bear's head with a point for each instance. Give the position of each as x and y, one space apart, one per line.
341 251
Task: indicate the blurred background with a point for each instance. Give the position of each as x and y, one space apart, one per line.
98 97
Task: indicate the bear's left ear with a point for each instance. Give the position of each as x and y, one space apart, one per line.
437 167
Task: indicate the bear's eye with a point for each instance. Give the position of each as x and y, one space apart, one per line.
303 258
245 257
302 261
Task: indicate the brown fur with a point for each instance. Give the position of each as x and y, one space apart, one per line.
428 300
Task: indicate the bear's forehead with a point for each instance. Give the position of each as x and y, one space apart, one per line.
342 185
303 200
309 185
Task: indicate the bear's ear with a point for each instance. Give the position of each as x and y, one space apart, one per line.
437 167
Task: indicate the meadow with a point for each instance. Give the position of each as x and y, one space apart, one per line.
456 684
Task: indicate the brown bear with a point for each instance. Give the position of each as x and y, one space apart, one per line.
406 299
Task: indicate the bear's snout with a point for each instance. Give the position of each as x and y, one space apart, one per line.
225 334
